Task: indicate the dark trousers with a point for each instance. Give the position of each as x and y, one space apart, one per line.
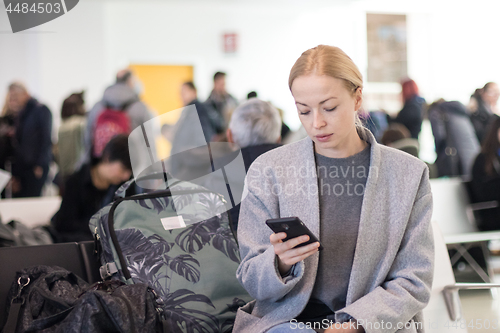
30 185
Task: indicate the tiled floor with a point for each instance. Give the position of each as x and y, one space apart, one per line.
481 311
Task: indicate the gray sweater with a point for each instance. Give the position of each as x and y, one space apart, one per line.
392 269
341 184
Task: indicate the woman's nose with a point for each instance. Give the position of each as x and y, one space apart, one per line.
318 119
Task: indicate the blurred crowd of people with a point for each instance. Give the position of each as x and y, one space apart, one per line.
466 138
93 158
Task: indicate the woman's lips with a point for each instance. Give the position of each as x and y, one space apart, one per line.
323 138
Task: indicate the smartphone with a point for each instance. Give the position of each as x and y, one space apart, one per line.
293 227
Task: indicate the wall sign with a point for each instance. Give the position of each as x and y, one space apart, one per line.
230 42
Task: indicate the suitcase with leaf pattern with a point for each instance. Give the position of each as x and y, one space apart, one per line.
178 241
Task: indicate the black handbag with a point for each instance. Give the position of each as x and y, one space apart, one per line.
52 299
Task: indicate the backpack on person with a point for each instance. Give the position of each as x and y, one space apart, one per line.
448 160
110 122
179 241
456 142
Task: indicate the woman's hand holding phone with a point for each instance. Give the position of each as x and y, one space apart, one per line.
287 254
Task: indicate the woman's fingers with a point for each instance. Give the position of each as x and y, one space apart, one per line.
281 247
290 261
293 256
276 238
296 241
286 252
299 252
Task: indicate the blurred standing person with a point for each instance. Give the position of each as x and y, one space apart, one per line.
71 135
189 155
33 144
486 177
122 95
208 117
473 101
411 115
483 104
221 100
454 138
7 132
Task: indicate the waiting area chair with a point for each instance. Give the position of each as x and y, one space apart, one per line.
454 215
444 311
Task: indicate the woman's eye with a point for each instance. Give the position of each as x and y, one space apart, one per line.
304 112
330 109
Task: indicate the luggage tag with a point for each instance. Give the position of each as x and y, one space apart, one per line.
173 222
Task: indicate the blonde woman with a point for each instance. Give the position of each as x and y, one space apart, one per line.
369 205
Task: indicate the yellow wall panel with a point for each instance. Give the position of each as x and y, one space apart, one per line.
161 93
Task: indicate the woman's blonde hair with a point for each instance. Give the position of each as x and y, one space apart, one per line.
330 61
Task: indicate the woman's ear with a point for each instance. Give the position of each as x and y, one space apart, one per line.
358 99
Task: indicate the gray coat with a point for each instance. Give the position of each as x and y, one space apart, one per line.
393 262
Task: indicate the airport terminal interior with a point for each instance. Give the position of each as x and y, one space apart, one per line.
146 142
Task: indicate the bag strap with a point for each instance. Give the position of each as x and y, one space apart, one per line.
15 308
128 103
108 270
124 106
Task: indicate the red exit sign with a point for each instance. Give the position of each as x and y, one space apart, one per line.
230 43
